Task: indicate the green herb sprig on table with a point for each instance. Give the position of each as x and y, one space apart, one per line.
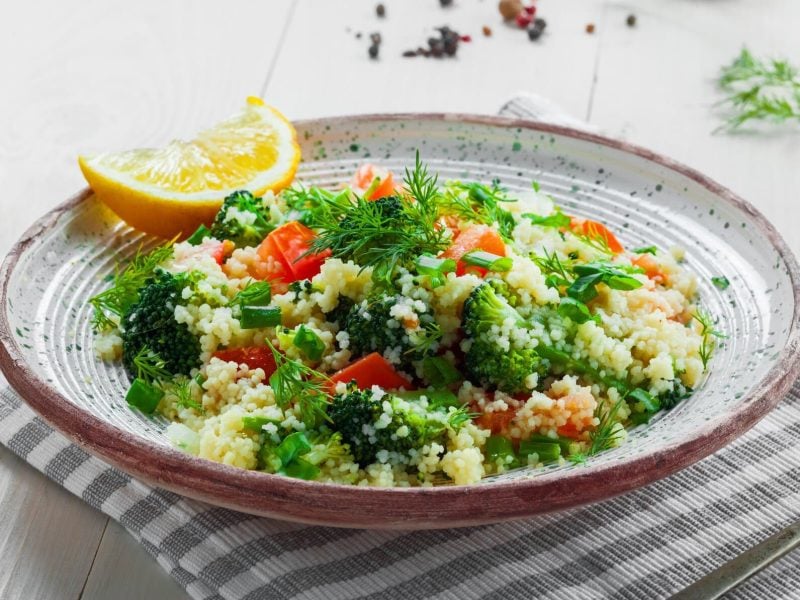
766 90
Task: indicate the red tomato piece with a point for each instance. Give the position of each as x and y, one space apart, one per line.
650 266
496 421
286 246
365 177
373 369
477 237
255 357
596 229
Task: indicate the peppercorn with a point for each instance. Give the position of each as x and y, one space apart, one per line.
380 10
409 53
510 8
539 23
376 38
534 33
487 31
631 20
445 3
373 51
358 35
590 28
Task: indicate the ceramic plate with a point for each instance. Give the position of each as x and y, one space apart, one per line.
61 262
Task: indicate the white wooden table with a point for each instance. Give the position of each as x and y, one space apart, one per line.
110 74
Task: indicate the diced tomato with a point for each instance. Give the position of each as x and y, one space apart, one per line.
496 421
373 369
255 357
651 268
477 237
595 229
365 177
219 251
284 248
569 431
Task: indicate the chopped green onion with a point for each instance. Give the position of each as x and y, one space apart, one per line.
294 445
254 317
257 422
439 372
721 282
583 289
198 236
557 219
498 447
645 250
575 310
650 402
300 469
144 396
309 343
255 294
640 418
435 268
487 260
436 398
546 451
536 186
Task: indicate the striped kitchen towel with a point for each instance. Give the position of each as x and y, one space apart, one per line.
645 544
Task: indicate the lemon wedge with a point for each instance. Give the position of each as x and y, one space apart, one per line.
172 190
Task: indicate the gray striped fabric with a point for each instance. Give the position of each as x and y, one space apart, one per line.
646 544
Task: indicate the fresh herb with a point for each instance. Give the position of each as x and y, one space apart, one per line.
388 233
557 219
645 250
608 431
650 403
557 272
597 242
126 283
479 203
199 235
721 282
617 277
709 335
576 311
459 417
760 90
255 293
150 367
294 382
427 340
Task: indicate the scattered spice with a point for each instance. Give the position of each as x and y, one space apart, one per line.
631 20
380 10
590 28
375 46
487 31
438 47
358 35
445 3
536 29
523 19
510 8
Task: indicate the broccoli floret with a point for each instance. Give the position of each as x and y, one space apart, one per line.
672 398
243 219
487 363
150 324
339 313
367 427
371 327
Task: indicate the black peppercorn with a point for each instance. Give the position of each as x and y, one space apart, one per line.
373 51
631 20
534 33
380 10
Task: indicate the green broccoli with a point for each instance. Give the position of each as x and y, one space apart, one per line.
243 219
367 427
487 363
371 327
149 324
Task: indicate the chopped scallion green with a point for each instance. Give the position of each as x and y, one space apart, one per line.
499 448
198 236
294 445
546 451
651 403
721 282
487 260
258 293
309 343
300 469
645 250
257 422
439 372
436 398
144 396
254 317
435 268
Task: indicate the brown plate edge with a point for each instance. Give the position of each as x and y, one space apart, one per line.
397 508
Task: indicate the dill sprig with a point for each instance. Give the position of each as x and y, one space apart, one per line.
183 389
150 366
293 382
709 335
479 203
459 417
759 90
558 272
126 283
598 243
385 234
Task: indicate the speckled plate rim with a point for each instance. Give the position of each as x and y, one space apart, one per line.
398 508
